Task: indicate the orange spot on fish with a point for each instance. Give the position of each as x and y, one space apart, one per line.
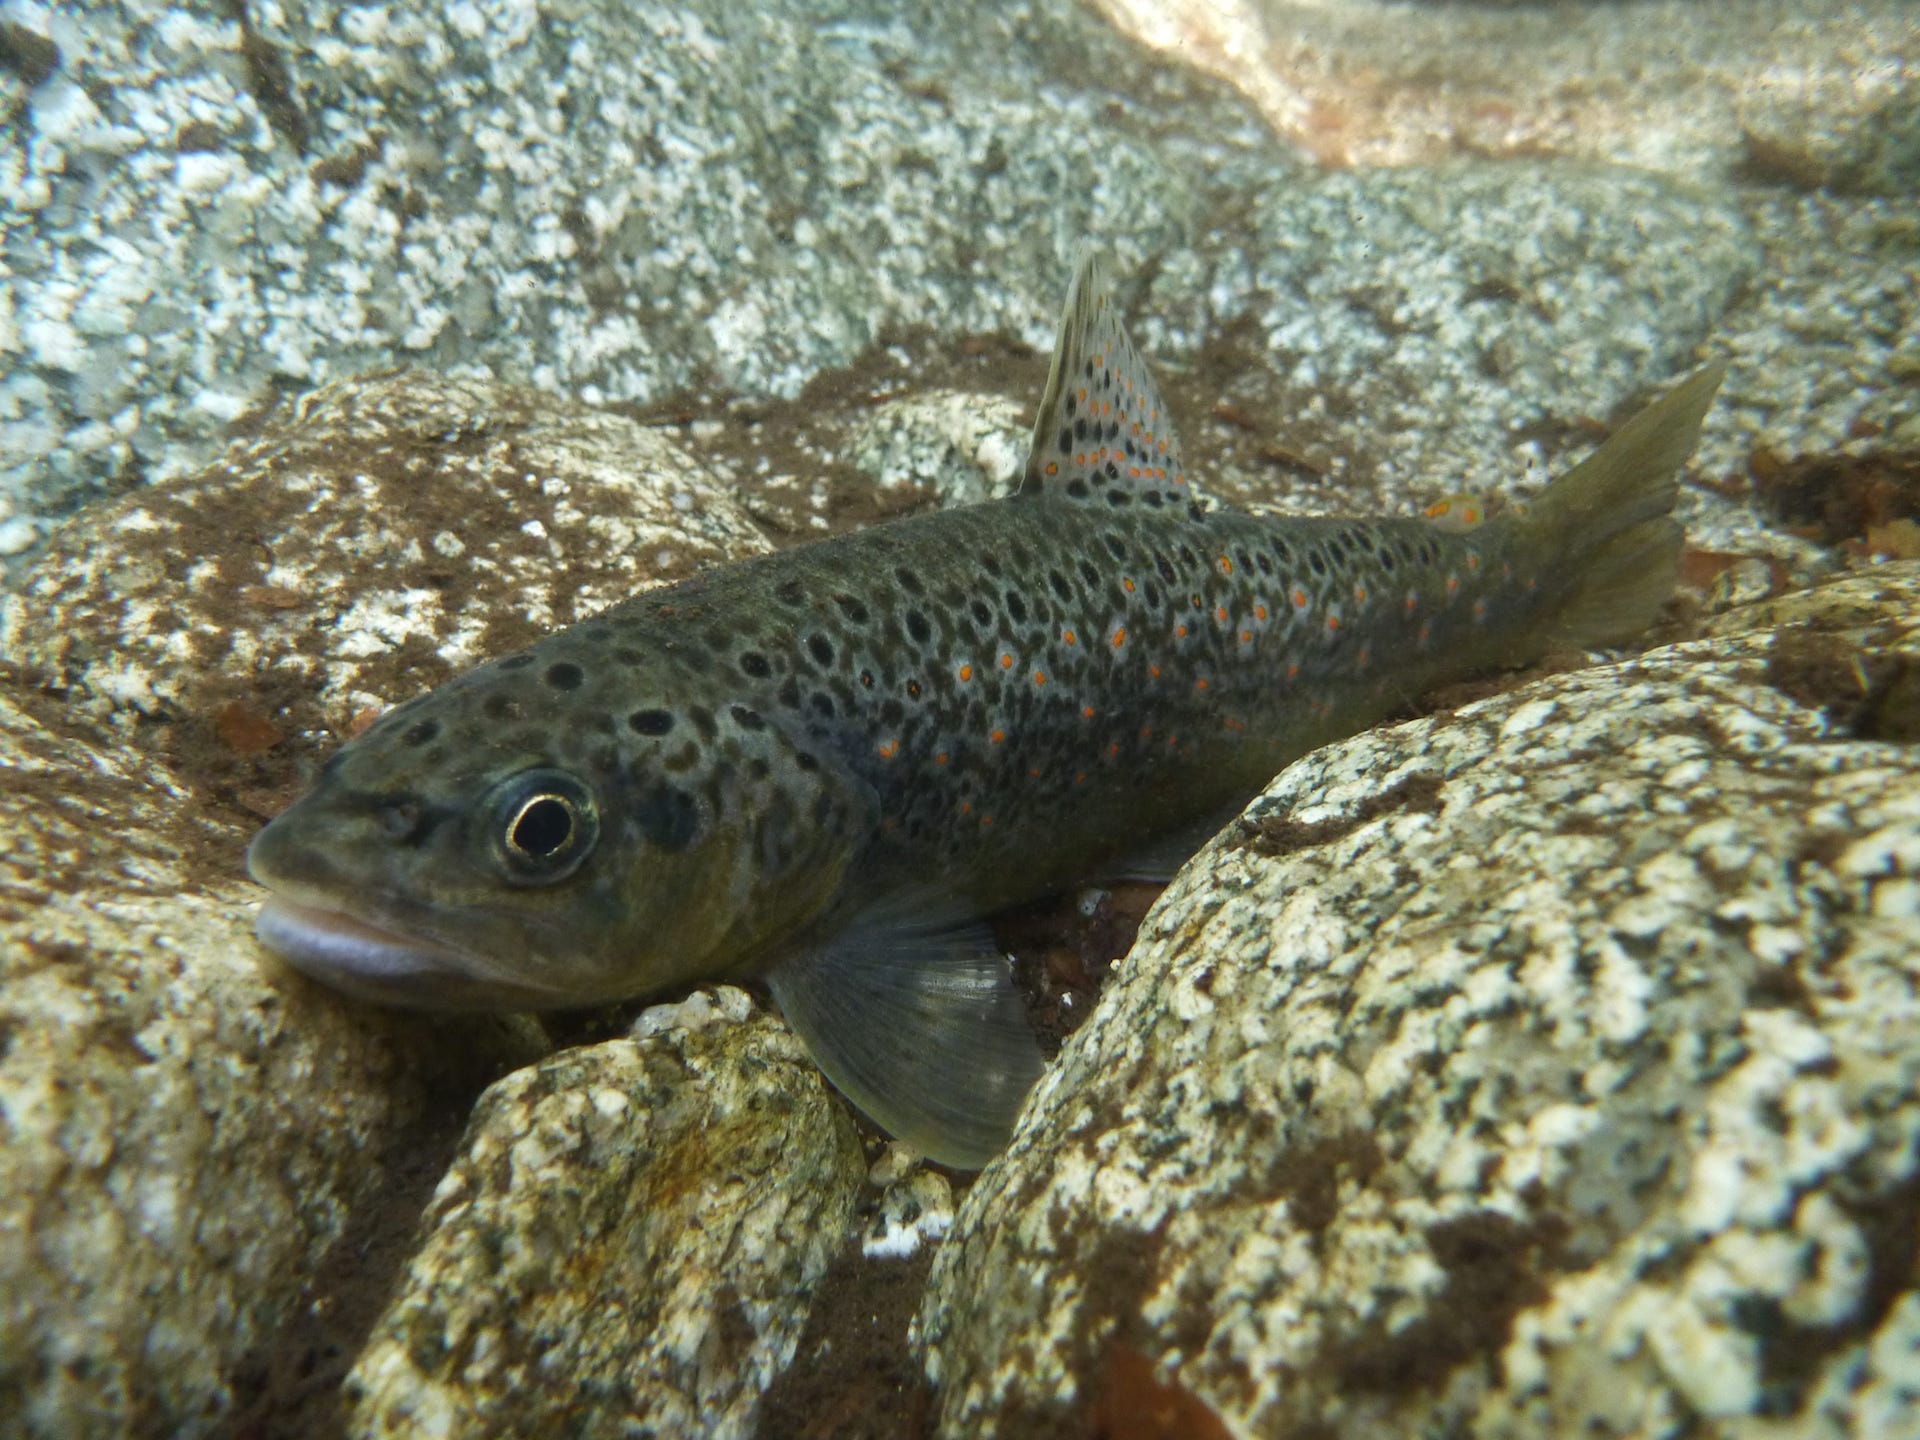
1039 677
1006 662
1246 637
1052 468
889 749
941 758
1119 637
1299 599
1365 657
1087 713
1473 561
1113 749
1181 631
1127 585
1359 594
1333 623
986 820
1226 565
1220 613
998 736
1413 602
966 807
1453 583
1070 638
1426 633
1259 612
1479 609
1034 772
1200 684
966 673
1293 672
1154 671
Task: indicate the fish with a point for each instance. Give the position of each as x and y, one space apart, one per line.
823 769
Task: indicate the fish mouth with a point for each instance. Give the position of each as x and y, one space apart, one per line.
365 961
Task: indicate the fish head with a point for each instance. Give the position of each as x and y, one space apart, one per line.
524 839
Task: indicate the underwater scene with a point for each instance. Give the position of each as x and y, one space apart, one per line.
852 720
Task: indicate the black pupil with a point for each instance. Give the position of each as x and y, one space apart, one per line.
543 827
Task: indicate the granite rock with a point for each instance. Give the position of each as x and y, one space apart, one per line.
1547 1067
183 1133
626 1243
371 539
612 199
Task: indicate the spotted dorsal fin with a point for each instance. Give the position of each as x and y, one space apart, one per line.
1103 431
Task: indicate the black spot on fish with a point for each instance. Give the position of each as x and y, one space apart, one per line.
747 718
668 816
758 767
1154 498
1165 567
1386 559
1317 562
822 704
1077 489
516 662
821 649
565 675
909 581
1079 430
991 564
1090 573
1060 585
789 693
650 722
1113 473
1116 547
918 627
866 678
805 760
1263 562
853 608
1187 557
719 639
1016 607
681 760
1066 440
1118 498
1021 555
423 733
626 655
1073 404
754 664
790 592
892 712
982 612
704 722
1152 592
501 707
913 689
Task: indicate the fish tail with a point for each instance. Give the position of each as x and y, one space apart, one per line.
1608 522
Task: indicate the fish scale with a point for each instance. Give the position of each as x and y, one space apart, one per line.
822 767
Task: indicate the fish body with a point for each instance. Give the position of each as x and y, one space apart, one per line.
823 767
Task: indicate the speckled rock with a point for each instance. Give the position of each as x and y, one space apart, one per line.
1660 83
626 1244
373 538
967 448
615 199
1551 1067
183 1134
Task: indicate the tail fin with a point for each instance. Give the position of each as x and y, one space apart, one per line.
1609 519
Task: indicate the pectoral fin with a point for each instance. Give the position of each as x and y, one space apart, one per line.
920 1026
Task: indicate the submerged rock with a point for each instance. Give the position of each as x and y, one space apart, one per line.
629 1238
365 542
1551 1066
183 1134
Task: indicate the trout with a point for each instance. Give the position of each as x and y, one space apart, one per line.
823 768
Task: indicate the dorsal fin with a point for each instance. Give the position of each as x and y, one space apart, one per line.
1103 431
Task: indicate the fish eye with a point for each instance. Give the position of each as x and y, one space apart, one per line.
543 825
